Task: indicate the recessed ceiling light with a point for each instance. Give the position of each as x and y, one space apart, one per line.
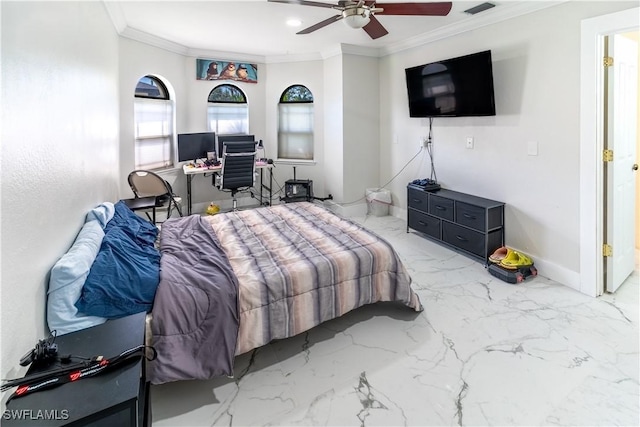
293 22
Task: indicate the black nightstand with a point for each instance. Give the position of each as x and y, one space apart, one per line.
116 398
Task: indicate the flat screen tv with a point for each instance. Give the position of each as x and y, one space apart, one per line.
192 146
461 86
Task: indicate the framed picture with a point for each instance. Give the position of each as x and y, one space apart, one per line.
211 69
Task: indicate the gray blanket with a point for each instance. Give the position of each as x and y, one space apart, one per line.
195 312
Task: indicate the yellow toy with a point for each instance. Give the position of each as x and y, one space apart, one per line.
212 209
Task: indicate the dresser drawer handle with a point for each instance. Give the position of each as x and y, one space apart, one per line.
417 201
466 215
462 239
441 208
423 223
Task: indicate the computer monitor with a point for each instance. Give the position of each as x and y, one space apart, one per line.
231 138
192 146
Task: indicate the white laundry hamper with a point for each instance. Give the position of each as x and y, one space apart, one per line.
378 201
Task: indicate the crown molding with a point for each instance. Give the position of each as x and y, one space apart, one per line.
298 57
170 46
226 56
334 50
360 50
150 39
349 49
117 16
504 12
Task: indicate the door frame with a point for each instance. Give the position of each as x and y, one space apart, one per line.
593 31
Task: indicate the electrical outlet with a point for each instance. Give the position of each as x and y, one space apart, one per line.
469 142
422 142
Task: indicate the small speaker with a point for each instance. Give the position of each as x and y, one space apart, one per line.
297 190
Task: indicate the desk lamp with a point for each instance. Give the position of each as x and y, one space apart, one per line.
260 146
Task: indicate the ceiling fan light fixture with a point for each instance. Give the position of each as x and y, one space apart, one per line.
356 17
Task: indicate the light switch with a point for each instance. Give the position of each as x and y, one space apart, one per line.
532 148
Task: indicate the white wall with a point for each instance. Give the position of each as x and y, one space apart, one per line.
59 149
279 76
138 60
536 60
361 116
352 143
333 114
196 110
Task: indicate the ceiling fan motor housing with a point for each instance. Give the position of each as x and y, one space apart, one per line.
356 17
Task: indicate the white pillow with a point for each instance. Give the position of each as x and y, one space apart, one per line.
67 278
103 213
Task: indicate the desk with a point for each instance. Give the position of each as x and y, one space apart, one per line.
191 171
116 398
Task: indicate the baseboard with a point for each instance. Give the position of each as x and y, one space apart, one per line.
398 212
558 273
346 211
548 269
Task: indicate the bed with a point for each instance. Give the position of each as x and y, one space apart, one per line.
229 283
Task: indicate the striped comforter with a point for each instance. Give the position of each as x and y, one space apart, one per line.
299 265
233 282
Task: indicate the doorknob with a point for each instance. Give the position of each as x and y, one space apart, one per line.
635 167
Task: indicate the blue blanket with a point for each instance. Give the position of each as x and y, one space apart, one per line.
125 275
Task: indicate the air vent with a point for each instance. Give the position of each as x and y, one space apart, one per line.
479 8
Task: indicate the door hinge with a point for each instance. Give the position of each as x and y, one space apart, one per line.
607 156
607 250
607 61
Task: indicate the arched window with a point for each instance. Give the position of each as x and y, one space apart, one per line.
228 111
295 124
154 117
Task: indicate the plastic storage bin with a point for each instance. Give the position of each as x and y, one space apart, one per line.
378 201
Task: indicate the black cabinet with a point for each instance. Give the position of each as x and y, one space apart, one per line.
469 224
116 398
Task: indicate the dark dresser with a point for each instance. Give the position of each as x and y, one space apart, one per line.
468 224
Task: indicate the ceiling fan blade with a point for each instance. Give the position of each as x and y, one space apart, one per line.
374 28
427 9
303 3
320 24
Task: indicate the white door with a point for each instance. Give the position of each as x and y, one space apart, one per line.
622 119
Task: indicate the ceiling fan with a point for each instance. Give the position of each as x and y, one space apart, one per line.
360 14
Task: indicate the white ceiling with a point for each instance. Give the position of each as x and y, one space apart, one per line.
258 28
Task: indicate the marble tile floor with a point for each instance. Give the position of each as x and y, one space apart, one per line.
482 353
